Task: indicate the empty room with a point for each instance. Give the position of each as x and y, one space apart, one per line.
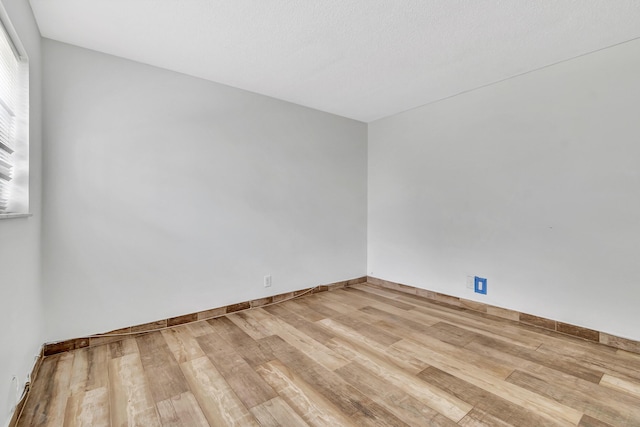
319 213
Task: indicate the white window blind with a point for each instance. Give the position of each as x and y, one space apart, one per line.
12 92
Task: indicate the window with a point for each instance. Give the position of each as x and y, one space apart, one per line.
14 123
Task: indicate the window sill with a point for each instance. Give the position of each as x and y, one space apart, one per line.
14 215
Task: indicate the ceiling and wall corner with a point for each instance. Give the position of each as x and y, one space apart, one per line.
361 59
364 60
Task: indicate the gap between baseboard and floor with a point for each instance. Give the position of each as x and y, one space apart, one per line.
133 331
49 349
524 318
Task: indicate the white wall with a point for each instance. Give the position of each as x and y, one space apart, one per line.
166 194
533 183
20 293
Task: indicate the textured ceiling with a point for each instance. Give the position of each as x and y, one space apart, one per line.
362 59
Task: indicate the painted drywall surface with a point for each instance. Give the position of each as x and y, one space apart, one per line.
20 293
167 194
532 183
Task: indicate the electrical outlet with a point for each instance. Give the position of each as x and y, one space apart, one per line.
267 281
480 285
470 282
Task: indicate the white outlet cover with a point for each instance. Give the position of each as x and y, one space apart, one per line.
470 282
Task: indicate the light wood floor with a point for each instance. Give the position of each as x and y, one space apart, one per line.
358 356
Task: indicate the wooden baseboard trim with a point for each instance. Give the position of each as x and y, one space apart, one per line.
133 331
528 319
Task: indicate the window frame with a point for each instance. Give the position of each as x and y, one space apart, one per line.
18 206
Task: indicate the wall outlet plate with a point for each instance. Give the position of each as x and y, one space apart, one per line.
470 282
267 281
480 285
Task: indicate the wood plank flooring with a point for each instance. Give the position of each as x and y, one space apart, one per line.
359 356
